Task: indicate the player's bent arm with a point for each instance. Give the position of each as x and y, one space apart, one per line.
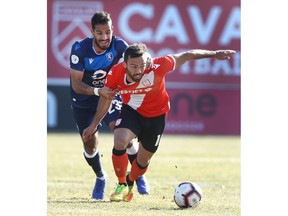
82 88
181 58
78 86
102 109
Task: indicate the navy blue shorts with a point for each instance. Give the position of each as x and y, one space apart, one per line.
84 116
148 130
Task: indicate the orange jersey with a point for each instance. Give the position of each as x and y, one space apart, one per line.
148 96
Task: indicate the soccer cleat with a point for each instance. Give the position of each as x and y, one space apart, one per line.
119 193
129 196
143 186
98 191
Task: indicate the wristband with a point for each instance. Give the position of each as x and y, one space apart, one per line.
96 91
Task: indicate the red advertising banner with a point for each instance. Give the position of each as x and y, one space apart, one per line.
205 94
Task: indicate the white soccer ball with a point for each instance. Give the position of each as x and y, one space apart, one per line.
188 194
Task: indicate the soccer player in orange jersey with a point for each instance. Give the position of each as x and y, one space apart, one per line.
144 110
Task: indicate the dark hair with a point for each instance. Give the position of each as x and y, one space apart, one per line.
135 50
100 17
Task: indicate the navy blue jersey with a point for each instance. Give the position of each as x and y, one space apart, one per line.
95 67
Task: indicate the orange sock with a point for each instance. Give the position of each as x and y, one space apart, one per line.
120 164
136 171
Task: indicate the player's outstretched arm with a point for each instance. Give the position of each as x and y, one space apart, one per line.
224 54
102 109
195 54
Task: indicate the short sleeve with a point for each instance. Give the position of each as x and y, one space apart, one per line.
76 57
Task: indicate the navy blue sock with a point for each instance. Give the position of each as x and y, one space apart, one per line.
95 163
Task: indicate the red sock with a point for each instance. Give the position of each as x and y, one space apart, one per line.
120 164
136 171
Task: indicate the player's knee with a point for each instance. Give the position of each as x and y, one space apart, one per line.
90 146
90 150
121 143
143 163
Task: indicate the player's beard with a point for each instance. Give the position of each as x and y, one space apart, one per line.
135 77
100 43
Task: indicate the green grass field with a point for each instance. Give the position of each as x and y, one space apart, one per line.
211 161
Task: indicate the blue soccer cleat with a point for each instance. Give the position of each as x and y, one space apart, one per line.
99 188
143 186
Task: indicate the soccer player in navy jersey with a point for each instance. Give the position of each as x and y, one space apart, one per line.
90 61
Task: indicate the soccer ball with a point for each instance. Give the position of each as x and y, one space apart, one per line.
188 194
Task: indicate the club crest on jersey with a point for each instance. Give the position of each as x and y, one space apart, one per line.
146 82
109 56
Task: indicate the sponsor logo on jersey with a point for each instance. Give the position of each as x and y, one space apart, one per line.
77 46
91 60
155 66
99 78
135 91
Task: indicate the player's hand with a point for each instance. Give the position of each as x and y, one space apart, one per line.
224 54
107 92
149 60
149 63
88 133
